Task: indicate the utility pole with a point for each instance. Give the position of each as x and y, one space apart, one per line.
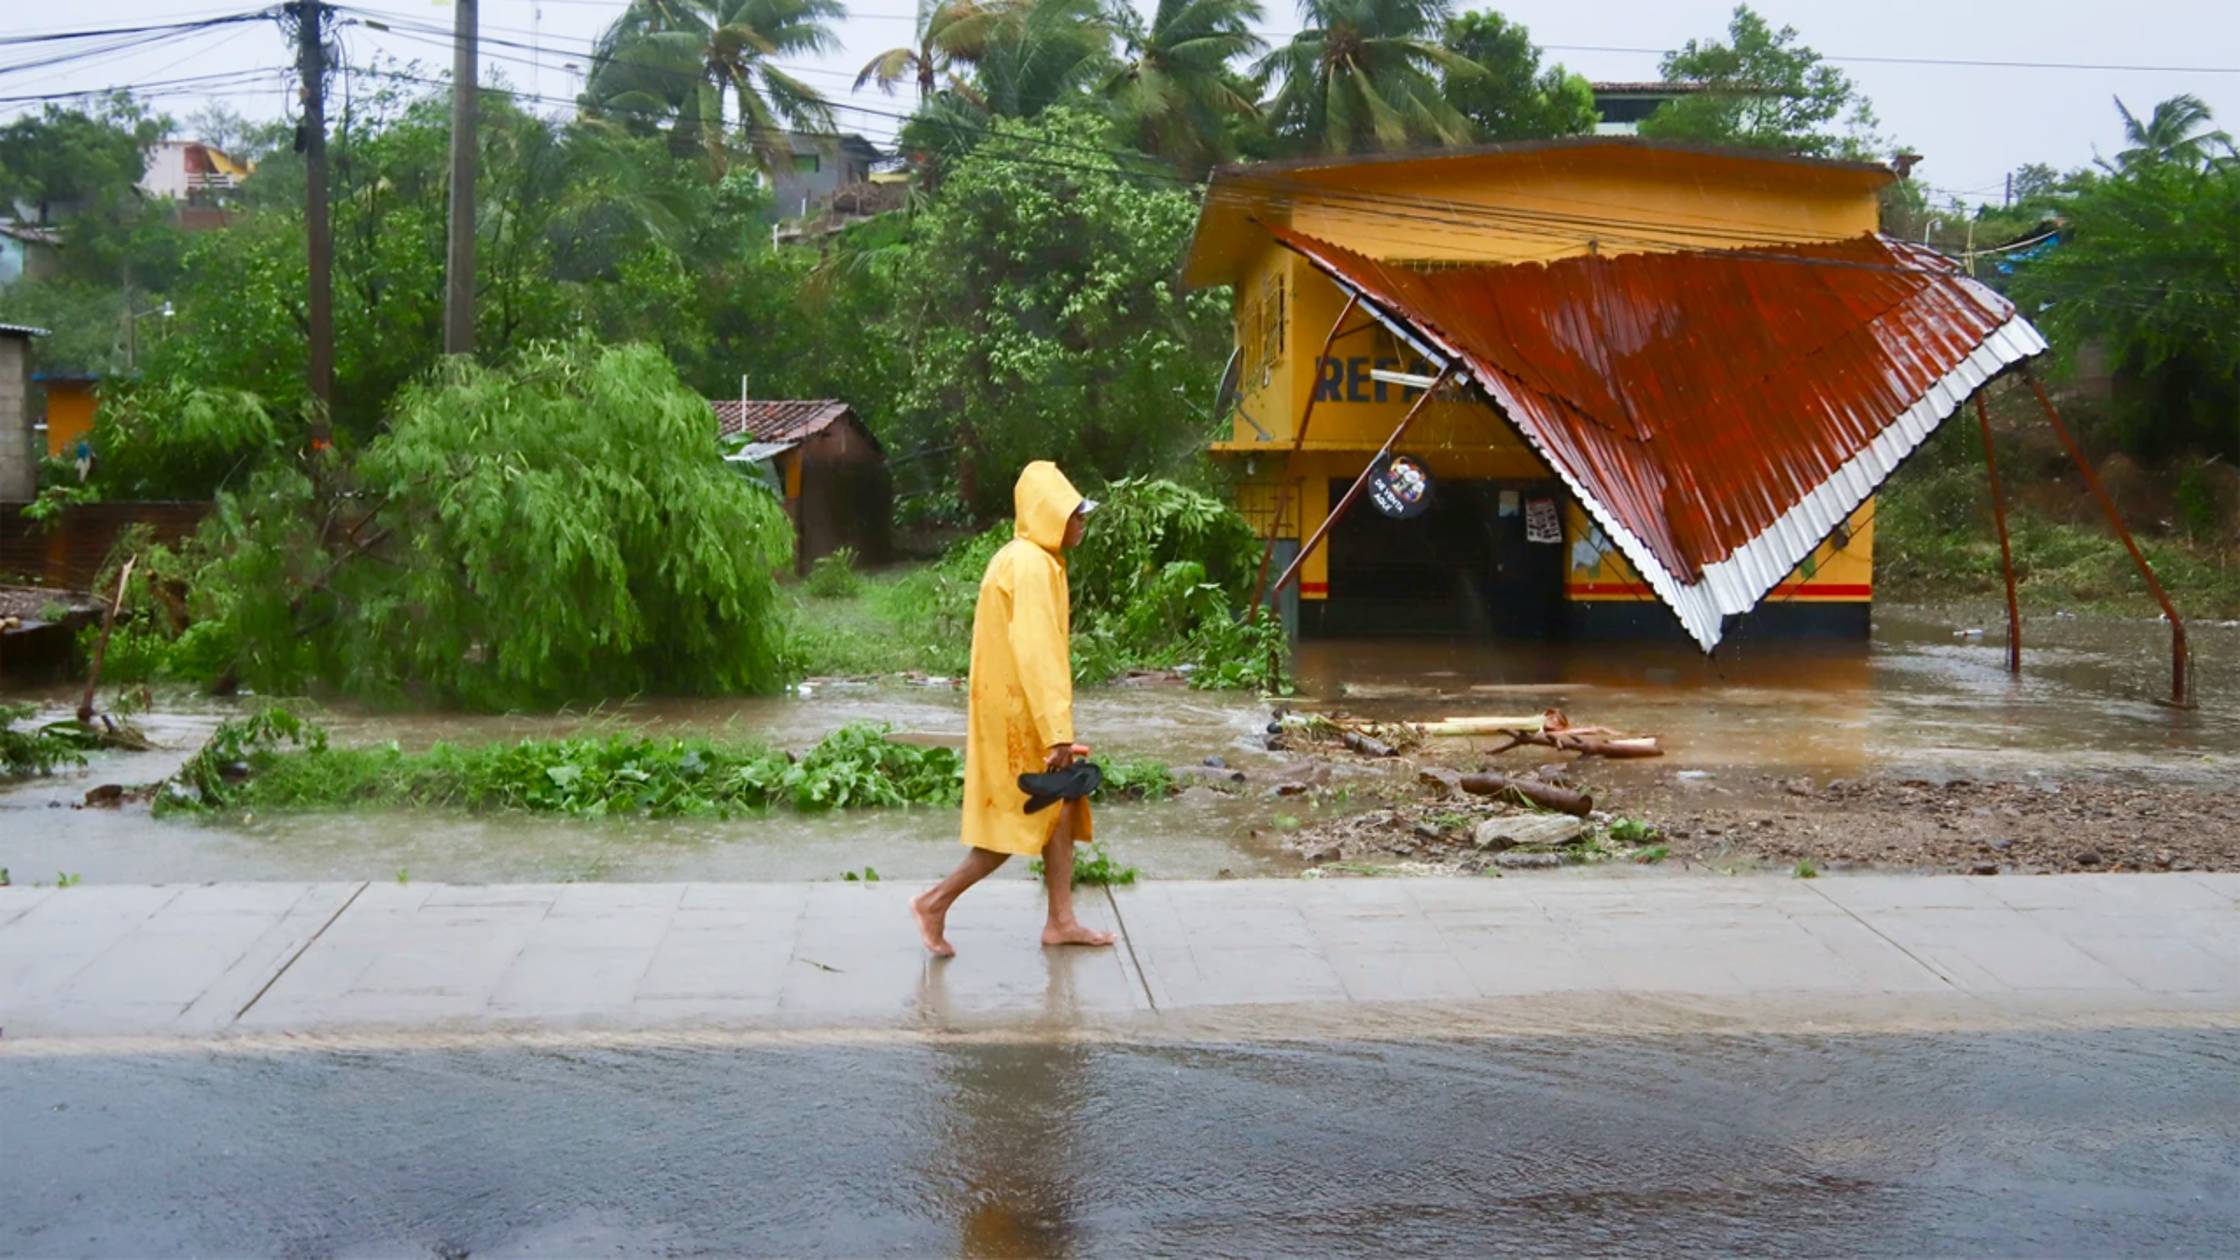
458 288
311 64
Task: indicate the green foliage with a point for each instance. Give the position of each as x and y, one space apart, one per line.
1142 528
1806 870
1136 781
675 63
1653 854
176 440
556 530
273 761
1038 309
2149 269
213 778
1631 831
1098 870
38 750
1172 93
857 765
1764 89
84 320
1366 75
1513 98
834 575
868 876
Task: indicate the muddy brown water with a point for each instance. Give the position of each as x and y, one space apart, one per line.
1915 701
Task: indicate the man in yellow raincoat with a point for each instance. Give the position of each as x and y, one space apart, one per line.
1020 714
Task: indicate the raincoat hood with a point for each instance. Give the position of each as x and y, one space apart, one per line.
1043 502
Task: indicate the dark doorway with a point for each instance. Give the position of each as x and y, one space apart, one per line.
1465 567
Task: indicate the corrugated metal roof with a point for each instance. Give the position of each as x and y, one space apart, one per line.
756 452
21 330
778 419
1718 413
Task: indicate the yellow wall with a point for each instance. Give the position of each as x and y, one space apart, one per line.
1497 208
69 414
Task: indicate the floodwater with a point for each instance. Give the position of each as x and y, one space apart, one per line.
1917 700
2067 1142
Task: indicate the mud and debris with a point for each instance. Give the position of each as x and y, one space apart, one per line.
1968 826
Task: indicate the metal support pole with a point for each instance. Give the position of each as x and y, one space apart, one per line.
2006 554
1359 483
1298 440
2180 676
458 266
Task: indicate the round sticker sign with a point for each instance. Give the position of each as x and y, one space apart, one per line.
1401 487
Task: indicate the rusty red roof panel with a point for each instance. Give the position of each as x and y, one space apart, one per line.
1718 413
776 419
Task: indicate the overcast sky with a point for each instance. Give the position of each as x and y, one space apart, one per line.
1972 123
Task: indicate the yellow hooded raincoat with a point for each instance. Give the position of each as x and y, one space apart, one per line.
1021 698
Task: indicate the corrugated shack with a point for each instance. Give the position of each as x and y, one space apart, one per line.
1545 388
826 464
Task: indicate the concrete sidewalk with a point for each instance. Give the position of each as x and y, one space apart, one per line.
231 959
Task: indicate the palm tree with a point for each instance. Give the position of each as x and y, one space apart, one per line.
1174 94
951 33
1037 53
2173 134
1363 76
679 59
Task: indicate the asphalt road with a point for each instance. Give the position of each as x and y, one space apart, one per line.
2102 1142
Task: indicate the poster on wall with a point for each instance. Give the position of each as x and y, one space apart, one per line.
1542 524
1400 487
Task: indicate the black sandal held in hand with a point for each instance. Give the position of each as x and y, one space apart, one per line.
1048 787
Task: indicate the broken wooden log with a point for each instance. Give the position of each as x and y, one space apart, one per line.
1366 745
1462 727
1563 800
101 646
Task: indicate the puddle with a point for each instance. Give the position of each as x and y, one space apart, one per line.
1914 701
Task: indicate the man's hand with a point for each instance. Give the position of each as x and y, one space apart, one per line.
1062 755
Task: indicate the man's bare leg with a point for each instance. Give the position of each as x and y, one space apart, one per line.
1057 877
931 907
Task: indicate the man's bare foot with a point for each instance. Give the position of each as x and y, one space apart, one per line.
930 925
1074 934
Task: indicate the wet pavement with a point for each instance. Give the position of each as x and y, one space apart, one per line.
1915 701
310 960
2083 1142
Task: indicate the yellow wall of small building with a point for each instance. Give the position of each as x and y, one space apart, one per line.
1466 439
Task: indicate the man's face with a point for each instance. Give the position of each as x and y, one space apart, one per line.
1076 525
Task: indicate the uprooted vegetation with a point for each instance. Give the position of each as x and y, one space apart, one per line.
1160 582
517 537
275 761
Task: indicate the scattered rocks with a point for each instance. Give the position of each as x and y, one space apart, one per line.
1511 831
1518 860
1984 868
1220 777
2088 857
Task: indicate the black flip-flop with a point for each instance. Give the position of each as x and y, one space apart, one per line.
1048 787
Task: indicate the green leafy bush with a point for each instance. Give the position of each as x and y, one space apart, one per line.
273 761
555 530
834 576
42 749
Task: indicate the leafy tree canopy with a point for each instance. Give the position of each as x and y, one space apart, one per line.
2149 267
1764 89
1041 316
557 530
1514 99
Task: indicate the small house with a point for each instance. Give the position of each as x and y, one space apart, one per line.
825 464
1598 385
